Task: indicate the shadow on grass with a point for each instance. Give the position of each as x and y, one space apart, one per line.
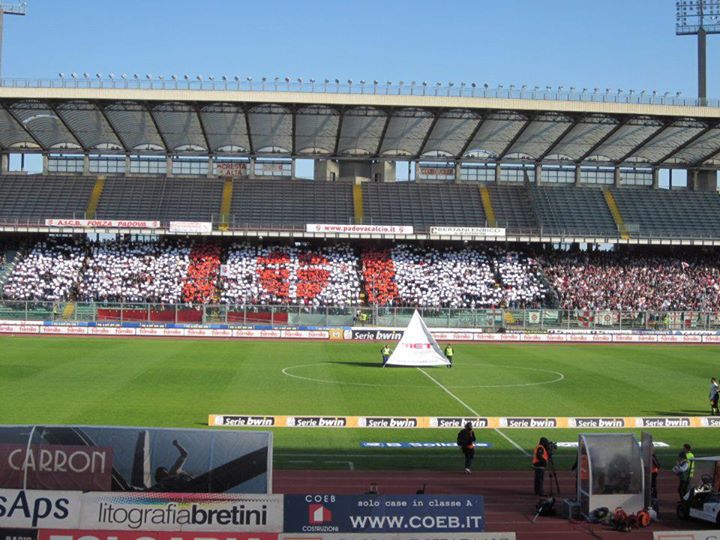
685 412
359 364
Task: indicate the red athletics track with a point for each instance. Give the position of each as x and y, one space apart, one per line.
509 502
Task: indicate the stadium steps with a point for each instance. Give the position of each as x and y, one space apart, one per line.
11 260
68 311
226 204
95 197
358 205
615 211
488 206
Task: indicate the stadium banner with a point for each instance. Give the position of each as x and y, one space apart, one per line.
135 459
397 536
56 467
453 336
71 534
231 168
467 231
358 229
103 223
327 513
687 535
436 172
201 227
18 534
21 508
457 422
206 512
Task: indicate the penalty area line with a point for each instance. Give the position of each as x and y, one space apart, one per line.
473 411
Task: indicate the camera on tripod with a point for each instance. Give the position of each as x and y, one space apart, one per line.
550 446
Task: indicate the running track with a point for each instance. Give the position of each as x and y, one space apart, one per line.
509 502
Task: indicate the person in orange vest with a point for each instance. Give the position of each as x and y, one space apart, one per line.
541 458
466 442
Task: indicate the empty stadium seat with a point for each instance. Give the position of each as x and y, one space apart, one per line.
36 198
573 211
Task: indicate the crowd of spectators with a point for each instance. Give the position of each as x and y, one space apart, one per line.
172 272
463 278
291 275
49 271
134 272
599 280
200 283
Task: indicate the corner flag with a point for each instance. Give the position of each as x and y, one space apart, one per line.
417 347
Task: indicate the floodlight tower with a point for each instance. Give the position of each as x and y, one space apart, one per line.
9 8
698 17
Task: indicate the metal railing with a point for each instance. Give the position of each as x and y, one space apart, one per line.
336 86
527 320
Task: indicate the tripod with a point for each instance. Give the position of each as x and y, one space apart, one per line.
553 479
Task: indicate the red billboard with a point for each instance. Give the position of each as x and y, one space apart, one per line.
61 534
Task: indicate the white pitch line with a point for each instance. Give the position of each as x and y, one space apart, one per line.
473 411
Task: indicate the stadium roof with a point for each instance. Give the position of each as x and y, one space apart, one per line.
373 124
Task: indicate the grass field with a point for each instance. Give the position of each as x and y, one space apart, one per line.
177 383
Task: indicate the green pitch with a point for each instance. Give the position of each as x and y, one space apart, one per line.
177 383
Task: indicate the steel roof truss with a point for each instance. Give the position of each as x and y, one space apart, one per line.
474 132
101 109
426 138
388 117
530 119
148 110
66 126
247 128
341 114
621 124
646 140
687 143
43 148
558 141
198 113
705 158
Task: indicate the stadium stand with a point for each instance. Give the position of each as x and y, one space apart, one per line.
573 210
164 199
669 214
33 198
49 271
513 209
288 275
291 203
134 272
423 205
605 280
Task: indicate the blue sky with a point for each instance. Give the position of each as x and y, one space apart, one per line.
617 44
583 43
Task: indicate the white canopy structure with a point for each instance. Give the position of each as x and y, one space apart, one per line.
417 347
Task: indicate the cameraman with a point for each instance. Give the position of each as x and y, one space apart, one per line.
541 458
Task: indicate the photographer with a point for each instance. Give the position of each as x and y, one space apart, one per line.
542 458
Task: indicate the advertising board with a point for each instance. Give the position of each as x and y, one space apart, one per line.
327 513
92 458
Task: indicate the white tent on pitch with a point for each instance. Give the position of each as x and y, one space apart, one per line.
417 347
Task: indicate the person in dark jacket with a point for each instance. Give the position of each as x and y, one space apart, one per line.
466 442
541 458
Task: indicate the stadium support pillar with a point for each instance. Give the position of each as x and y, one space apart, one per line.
538 174
383 171
210 172
703 180
4 163
458 172
45 164
498 173
617 177
577 175
656 178
326 170
86 165
169 166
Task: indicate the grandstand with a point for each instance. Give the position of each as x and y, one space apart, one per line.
212 172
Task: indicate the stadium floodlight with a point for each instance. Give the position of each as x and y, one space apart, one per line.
224 77
173 77
698 17
350 81
61 75
211 77
98 75
73 75
111 76
186 77
148 77
136 76
300 80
